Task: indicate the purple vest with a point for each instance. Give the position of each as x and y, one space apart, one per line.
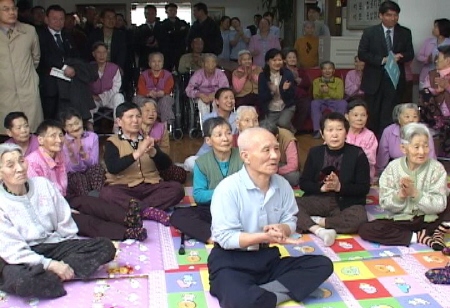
105 82
150 85
157 131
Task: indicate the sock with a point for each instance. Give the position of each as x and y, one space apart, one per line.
274 286
133 217
317 293
155 214
278 289
327 235
316 219
444 227
414 238
438 243
281 297
139 234
423 238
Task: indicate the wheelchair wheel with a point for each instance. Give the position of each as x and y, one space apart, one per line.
195 133
178 134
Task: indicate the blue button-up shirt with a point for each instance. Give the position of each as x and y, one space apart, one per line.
239 206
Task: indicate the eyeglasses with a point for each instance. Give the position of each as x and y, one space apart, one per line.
9 9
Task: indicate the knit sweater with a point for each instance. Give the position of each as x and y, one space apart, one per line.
430 180
42 216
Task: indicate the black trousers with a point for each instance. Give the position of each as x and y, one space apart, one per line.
194 221
235 276
382 103
83 256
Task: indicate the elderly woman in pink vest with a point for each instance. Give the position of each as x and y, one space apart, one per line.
157 83
105 90
205 82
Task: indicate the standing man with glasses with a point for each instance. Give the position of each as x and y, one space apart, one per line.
376 42
20 55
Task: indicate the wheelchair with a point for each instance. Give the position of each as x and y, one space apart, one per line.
191 119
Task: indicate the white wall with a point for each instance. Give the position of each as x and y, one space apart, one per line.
244 9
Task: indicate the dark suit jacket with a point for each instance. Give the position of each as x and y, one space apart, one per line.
53 56
118 46
264 95
372 49
209 31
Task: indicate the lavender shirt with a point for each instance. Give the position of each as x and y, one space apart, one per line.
32 146
389 147
200 84
75 163
428 48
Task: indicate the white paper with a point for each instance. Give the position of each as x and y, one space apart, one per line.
58 73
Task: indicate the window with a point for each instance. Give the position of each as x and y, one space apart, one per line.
138 18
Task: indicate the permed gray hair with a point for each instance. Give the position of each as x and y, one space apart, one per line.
398 110
142 100
409 131
244 52
209 55
243 109
8 148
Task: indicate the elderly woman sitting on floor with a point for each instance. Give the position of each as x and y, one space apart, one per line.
336 180
39 247
413 188
210 168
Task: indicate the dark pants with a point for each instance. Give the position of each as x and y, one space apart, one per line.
392 233
235 276
97 218
83 256
162 195
50 106
250 99
381 104
194 221
302 111
346 221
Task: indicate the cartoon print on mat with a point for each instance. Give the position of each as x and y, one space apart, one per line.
186 282
188 301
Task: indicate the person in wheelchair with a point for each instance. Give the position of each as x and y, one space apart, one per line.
106 89
205 82
157 83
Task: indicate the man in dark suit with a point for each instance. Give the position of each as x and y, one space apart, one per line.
114 38
206 28
146 41
172 34
376 42
56 46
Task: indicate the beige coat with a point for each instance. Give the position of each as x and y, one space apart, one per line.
19 82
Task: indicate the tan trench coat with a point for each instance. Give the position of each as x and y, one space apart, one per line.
19 82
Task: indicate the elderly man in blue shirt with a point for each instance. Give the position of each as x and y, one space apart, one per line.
250 209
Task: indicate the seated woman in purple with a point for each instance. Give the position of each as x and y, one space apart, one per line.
389 145
17 128
158 131
80 150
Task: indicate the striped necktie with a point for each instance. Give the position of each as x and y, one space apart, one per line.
9 33
388 40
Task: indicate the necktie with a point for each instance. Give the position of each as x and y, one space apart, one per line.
9 33
59 41
388 40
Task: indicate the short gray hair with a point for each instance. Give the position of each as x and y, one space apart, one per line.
243 109
8 148
209 55
142 100
309 23
244 52
409 131
398 110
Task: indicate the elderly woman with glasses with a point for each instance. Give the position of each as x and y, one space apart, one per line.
40 249
413 189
